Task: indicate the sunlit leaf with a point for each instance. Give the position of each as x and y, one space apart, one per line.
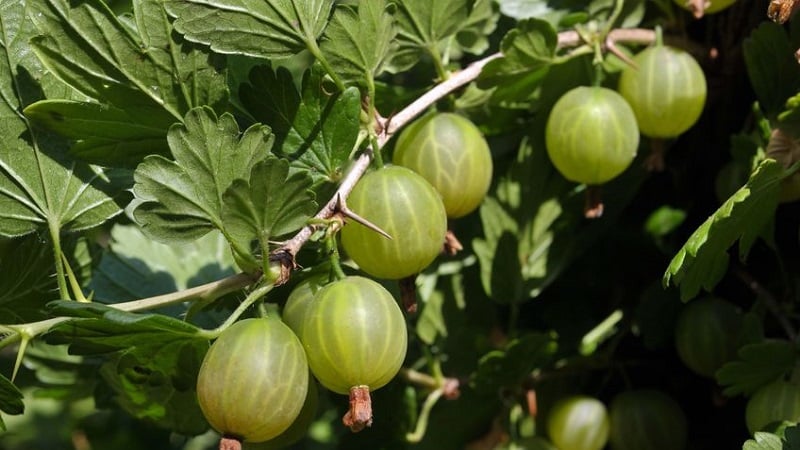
314 129
356 42
527 50
271 204
703 259
39 188
145 75
266 29
181 200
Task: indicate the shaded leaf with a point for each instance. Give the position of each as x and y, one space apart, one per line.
703 259
39 188
529 47
315 130
147 75
271 204
181 200
508 367
757 365
266 29
10 400
26 281
157 383
356 42
423 27
773 71
138 267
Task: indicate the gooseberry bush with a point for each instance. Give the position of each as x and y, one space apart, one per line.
399 224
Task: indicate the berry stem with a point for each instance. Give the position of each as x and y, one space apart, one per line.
230 443
593 208
360 414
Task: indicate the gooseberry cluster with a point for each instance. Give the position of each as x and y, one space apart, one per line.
592 133
350 334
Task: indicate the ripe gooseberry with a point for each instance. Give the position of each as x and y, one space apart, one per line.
355 337
578 423
775 402
667 91
298 429
409 209
451 153
706 334
254 362
647 419
591 135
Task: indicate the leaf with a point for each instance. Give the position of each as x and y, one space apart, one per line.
181 200
146 76
357 41
315 130
38 187
473 35
157 383
271 204
10 400
757 365
264 29
423 29
528 54
138 267
26 281
763 441
773 71
508 367
703 259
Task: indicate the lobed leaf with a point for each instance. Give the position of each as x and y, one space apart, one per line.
357 41
272 203
703 259
315 130
772 69
181 200
39 188
528 50
264 29
758 364
764 441
26 281
140 72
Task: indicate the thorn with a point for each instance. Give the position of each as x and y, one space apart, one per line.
341 206
612 47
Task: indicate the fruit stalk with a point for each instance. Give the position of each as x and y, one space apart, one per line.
360 414
230 443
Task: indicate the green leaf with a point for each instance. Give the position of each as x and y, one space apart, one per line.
758 364
101 133
473 35
314 129
138 267
265 29
511 365
424 23
273 203
764 441
181 200
703 259
10 400
528 53
38 187
357 41
139 72
157 383
26 281
773 70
